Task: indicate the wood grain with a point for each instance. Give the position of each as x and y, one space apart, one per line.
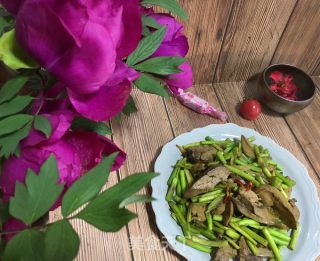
98 245
306 126
205 29
142 135
252 36
316 72
269 124
183 119
300 42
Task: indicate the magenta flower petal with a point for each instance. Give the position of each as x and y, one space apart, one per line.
181 80
13 224
122 72
69 163
14 169
103 104
175 43
60 123
110 99
79 52
12 6
177 47
95 146
132 27
174 28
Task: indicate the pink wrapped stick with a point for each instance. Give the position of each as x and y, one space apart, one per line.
200 105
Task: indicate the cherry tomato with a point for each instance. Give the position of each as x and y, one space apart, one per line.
250 109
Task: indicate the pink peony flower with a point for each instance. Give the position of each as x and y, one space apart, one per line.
76 152
175 43
82 43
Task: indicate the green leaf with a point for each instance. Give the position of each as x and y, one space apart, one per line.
130 107
80 123
88 186
150 22
16 105
33 200
6 22
12 87
12 54
171 5
136 199
28 245
104 211
43 124
10 142
117 117
147 46
61 242
145 31
163 65
150 84
14 123
4 213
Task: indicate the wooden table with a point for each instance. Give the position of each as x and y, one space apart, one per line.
144 133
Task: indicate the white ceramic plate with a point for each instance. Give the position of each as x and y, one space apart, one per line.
308 245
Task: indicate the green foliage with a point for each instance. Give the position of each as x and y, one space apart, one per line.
104 211
150 22
12 54
130 107
33 200
16 105
171 5
9 143
80 123
88 186
6 21
14 123
147 46
4 213
135 199
12 87
43 124
16 127
163 65
150 84
61 242
28 245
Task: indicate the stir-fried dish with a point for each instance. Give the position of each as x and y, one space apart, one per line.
232 200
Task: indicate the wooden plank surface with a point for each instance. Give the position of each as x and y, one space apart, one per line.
306 126
142 135
183 119
316 72
97 245
252 36
300 42
205 29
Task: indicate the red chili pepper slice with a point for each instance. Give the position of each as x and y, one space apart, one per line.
249 186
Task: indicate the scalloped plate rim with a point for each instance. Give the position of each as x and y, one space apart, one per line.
161 208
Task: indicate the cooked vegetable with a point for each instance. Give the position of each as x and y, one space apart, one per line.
294 237
230 198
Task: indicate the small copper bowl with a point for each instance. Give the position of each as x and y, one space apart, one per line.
282 105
